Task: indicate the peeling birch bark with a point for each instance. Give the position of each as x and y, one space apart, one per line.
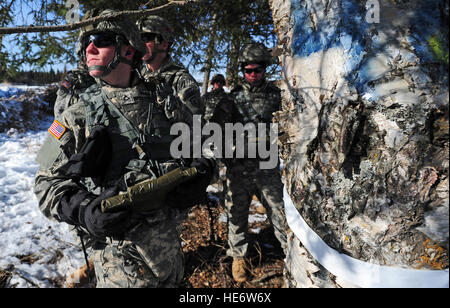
365 128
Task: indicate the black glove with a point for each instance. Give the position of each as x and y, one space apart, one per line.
165 95
193 192
76 79
93 158
203 165
82 208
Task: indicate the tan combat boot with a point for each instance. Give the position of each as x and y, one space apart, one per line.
260 209
239 269
81 277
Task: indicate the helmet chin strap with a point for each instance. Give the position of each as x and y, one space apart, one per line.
107 69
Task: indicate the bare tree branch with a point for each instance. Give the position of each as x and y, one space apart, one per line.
77 25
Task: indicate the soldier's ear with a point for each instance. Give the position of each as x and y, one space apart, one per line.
165 45
129 52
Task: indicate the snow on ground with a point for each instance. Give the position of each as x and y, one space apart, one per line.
36 251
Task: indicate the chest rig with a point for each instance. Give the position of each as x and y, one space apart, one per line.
257 106
137 126
212 100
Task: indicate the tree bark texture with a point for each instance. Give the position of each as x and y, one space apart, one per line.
365 133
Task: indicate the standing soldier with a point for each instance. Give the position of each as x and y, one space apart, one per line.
100 147
158 37
218 109
255 101
216 97
174 83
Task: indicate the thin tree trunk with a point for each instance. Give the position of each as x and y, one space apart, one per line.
232 68
365 130
209 56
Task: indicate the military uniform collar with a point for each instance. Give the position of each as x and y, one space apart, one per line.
134 78
250 88
167 64
112 91
219 90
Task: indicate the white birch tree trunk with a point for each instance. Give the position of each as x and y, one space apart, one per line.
365 129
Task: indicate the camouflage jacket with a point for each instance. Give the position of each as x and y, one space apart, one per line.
253 105
72 126
256 104
181 81
218 106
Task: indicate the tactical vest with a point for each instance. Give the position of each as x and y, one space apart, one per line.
212 100
135 119
257 106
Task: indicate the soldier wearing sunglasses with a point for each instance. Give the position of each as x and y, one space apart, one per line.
255 101
176 87
99 147
158 37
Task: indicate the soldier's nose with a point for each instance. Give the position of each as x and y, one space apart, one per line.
91 48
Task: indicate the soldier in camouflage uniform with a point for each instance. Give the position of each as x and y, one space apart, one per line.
218 109
174 79
217 97
255 102
100 134
158 37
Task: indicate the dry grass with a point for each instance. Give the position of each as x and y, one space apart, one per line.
208 266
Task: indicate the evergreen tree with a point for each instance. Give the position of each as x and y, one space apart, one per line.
209 33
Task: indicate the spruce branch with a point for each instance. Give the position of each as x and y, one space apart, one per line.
80 24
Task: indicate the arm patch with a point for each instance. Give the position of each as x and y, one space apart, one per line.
57 129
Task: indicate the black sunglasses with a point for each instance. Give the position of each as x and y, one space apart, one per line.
100 40
256 70
148 37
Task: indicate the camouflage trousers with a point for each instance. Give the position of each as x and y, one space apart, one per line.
244 179
150 257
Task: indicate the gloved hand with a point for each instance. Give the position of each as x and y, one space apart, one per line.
163 90
77 78
193 192
93 158
83 208
166 96
203 165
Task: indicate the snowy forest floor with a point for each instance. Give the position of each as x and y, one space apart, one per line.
38 253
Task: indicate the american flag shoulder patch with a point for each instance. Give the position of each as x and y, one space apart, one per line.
57 129
66 84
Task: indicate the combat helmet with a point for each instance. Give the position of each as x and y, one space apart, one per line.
218 78
255 53
125 32
158 25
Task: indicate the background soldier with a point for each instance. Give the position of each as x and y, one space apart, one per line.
255 102
175 83
158 37
216 97
101 145
218 109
